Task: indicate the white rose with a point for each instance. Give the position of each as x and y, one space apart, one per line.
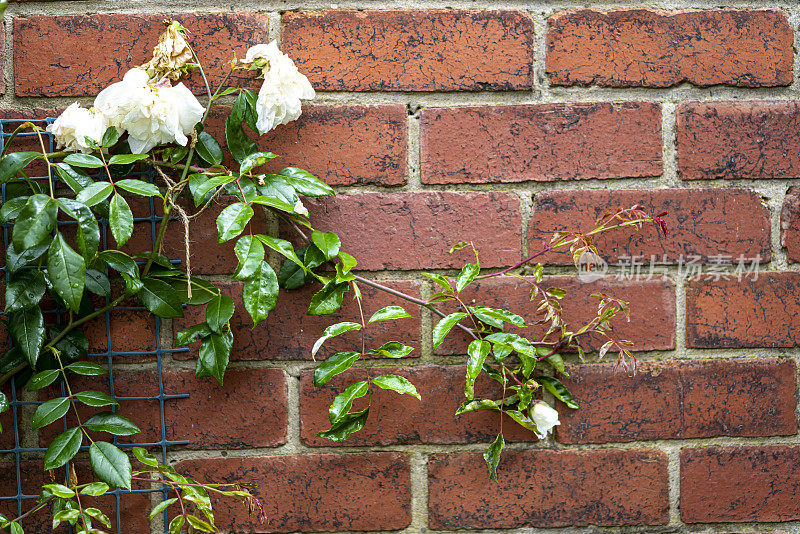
283 88
152 114
75 124
545 418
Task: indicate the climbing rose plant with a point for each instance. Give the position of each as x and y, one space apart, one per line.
147 119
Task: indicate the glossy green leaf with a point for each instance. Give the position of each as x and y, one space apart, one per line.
393 349
98 515
327 242
492 315
63 448
208 148
145 457
250 253
239 145
202 291
199 525
160 298
110 137
344 401
522 419
110 464
477 351
4 404
556 292
95 398
202 187
397 384
345 426
49 412
492 455
255 160
66 270
35 221
389 313
138 187
120 262
160 507
73 345
190 335
260 293
291 275
306 183
555 360
27 331
335 364
86 161
281 246
126 159
333 331
14 162
76 179
98 283
11 208
59 490
176 525
466 276
328 299
215 352
219 311
273 202
86 368
558 390
120 219
478 404
25 289
17 260
95 489
43 379
232 220
112 423
88 236
444 326
95 193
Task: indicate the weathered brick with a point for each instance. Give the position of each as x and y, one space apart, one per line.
569 488
652 325
128 331
404 231
249 410
790 224
342 145
326 492
704 225
402 419
289 334
756 311
740 484
71 55
541 142
413 50
644 48
732 140
674 400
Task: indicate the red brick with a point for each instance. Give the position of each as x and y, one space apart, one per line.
705 225
790 224
675 400
404 231
326 492
733 140
569 488
415 50
249 410
289 334
71 55
740 484
644 48
652 325
132 332
401 419
541 142
342 145
756 311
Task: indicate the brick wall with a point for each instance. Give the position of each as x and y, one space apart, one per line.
500 123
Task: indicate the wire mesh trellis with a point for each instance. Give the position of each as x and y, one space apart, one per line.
19 453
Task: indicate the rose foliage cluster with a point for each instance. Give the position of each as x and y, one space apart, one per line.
56 278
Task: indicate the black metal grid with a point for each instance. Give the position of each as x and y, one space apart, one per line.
19 452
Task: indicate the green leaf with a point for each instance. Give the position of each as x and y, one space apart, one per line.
97 283
126 159
120 219
347 425
444 326
328 299
95 489
145 457
76 179
95 398
281 246
112 423
232 220
255 160
95 193
478 404
11 208
110 137
492 456
27 331
558 390
14 162
43 379
306 183
86 369
250 253
110 464
327 242
98 515
73 345
292 275
160 298
555 360
522 419
215 352
219 311
17 260
335 364
88 237
63 448
208 148
477 351
556 292
274 202
190 335
49 412
389 313
239 144
491 316
202 291
66 271
176 525
397 384
260 293
83 160
138 187
35 221
199 524
120 262
344 400
160 507
393 349
4 404
333 331
25 290
59 490
467 276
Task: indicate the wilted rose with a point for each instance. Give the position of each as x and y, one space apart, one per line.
75 124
